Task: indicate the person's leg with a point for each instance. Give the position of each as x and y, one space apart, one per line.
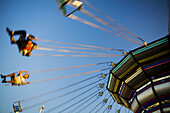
4 80
22 34
21 42
2 76
14 108
13 74
10 81
11 33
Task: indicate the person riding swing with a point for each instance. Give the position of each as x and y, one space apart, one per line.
16 80
24 43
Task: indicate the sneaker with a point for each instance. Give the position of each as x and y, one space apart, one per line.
4 81
9 31
2 76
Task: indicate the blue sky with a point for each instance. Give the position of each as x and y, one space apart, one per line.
147 19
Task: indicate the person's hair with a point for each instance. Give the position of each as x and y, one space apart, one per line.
26 75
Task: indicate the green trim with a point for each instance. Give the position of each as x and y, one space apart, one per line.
109 80
150 46
124 60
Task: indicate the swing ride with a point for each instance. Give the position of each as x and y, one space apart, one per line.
138 83
63 3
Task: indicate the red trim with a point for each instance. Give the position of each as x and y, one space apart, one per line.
157 65
122 90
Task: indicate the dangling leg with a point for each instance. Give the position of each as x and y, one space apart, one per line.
21 42
10 81
4 78
13 74
11 33
22 34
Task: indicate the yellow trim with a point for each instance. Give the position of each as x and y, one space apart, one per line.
126 106
153 105
158 79
138 68
154 56
141 83
138 71
133 66
118 100
116 85
143 86
113 96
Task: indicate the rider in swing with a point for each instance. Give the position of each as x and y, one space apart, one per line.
18 79
24 43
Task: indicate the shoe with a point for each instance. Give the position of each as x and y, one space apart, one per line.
9 31
4 81
2 76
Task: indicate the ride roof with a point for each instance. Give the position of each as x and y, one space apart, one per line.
136 80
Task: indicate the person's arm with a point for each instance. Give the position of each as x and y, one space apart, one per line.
32 37
23 72
25 83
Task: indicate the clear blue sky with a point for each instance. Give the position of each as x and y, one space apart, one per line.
147 19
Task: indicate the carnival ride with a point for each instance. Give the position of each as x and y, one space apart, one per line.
139 82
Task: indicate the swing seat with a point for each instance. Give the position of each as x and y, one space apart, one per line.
17 108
